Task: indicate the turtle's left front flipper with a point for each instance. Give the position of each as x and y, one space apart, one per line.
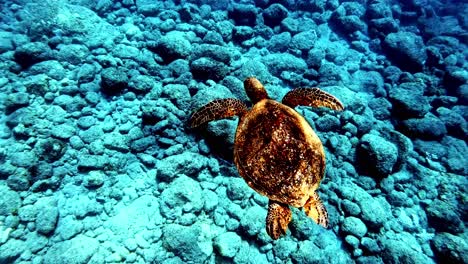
217 109
312 97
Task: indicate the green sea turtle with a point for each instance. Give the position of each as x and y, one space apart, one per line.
276 151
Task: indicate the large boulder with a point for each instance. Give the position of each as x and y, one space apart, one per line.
406 49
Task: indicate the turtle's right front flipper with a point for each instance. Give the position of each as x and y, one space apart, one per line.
312 97
217 109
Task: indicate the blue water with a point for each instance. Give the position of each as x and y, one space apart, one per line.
98 163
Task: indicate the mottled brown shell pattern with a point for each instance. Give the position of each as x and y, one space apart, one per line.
278 154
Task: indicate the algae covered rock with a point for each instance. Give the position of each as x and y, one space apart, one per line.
377 155
406 49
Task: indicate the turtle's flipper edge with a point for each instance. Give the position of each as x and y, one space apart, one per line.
312 97
217 109
278 218
316 210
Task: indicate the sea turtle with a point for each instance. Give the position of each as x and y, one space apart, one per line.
275 149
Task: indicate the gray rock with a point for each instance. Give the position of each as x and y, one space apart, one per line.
354 226
94 179
6 41
47 215
284 248
408 100
370 81
187 242
91 134
455 123
449 248
141 214
456 155
141 84
141 144
179 94
31 53
444 217
10 201
406 49
113 80
280 42
305 253
187 163
50 149
208 69
77 250
370 245
375 212
92 162
116 141
86 73
402 247
174 45
327 123
304 40
182 195
243 14
274 14
68 227
72 53
253 221
350 207
242 33
38 84
20 181
63 131
238 189
227 244
25 159
12 250
429 127
15 101
249 254
279 62
377 156
86 122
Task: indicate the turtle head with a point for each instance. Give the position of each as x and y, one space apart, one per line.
255 90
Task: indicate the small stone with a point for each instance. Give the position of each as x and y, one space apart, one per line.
429 127
444 217
63 131
92 162
377 156
94 179
274 14
227 244
352 241
449 248
113 80
31 53
253 220
370 245
354 226
206 68
47 215
172 46
10 201
243 14
406 49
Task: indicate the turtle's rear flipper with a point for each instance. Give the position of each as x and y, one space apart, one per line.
278 218
217 109
311 97
315 210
